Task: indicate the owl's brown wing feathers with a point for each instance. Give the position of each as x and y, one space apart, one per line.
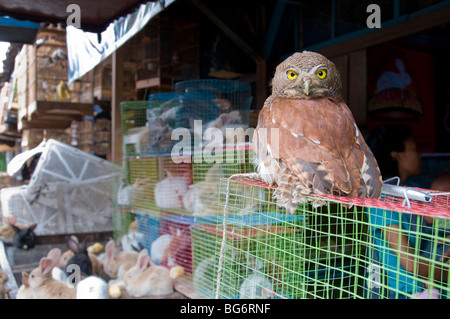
321 148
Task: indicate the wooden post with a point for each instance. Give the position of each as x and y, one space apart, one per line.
116 98
261 83
357 86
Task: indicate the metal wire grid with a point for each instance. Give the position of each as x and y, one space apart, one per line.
213 97
325 252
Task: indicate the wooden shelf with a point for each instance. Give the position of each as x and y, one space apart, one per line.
60 108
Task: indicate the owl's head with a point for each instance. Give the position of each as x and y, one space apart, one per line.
307 75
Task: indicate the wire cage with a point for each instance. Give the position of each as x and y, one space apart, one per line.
147 228
207 170
175 178
162 114
137 189
122 217
213 104
134 128
69 191
337 250
14 202
176 228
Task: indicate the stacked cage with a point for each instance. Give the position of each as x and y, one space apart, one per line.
213 110
172 182
338 250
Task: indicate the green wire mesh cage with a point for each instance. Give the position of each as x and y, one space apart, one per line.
134 128
339 250
211 106
121 219
137 188
147 125
207 170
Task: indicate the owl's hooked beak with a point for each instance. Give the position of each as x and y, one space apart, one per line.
306 83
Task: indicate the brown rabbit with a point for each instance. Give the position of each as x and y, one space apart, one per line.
7 231
43 285
117 262
145 279
25 291
3 289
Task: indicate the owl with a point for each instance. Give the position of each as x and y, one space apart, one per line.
306 140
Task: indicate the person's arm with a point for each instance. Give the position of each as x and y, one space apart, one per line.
409 258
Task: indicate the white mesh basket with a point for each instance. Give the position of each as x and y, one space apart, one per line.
80 186
48 220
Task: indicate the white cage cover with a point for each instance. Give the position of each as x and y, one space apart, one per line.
48 220
79 186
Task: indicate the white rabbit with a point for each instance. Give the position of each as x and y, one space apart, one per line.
131 241
145 279
92 287
159 247
169 192
256 286
169 248
188 199
124 195
392 80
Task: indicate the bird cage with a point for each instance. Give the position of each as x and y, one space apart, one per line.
327 251
213 104
207 170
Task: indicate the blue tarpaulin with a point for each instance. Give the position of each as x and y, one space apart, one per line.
12 30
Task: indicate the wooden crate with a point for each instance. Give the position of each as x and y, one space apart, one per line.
168 49
42 68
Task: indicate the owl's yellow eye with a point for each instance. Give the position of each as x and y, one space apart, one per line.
322 74
291 74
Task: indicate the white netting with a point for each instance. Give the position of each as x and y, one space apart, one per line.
48 220
79 187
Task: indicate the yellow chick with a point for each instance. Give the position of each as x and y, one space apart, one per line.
176 272
95 248
115 292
